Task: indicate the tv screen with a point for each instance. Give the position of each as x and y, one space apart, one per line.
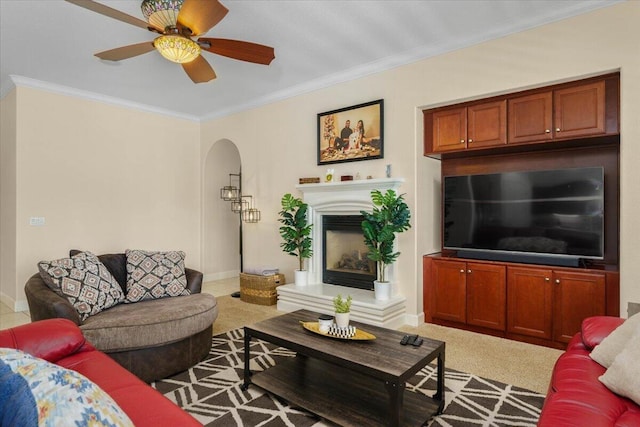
551 212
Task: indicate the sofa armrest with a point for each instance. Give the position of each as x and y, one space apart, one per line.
46 304
194 280
597 328
51 339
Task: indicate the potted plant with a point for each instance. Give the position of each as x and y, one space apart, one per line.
342 308
390 215
296 233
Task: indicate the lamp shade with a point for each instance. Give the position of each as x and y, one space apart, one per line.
239 205
177 48
161 13
229 193
251 215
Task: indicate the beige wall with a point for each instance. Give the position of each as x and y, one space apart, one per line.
8 198
277 142
221 227
105 179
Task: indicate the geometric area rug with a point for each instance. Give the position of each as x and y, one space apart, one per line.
210 392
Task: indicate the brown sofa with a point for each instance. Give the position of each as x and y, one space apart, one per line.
153 339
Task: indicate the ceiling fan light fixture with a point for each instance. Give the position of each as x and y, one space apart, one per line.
177 48
161 13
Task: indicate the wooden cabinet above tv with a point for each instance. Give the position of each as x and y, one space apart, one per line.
586 108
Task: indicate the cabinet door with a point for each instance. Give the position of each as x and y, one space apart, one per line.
450 129
449 290
486 295
576 296
487 124
529 309
579 111
530 118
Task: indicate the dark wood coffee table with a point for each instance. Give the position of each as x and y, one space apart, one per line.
351 383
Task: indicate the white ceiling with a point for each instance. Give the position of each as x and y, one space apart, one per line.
50 44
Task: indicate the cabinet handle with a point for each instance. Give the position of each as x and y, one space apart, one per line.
462 141
546 279
469 271
462 270
557 129
547 131
558 281
470 140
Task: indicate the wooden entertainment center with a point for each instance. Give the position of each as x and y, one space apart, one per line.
568 125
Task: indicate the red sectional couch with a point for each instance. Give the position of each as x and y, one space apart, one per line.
576 397
61 342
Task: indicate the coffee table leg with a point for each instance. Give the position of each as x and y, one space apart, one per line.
396 396
247 356
440 390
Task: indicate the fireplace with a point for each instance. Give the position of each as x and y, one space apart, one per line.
344 253
342 200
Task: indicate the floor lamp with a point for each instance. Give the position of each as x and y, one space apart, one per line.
243 207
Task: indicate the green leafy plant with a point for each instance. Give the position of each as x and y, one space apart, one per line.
342 305
295 230
390 215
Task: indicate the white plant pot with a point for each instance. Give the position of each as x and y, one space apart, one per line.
301 277
342 320
382 290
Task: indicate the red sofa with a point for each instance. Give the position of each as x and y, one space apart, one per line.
61 342
576 397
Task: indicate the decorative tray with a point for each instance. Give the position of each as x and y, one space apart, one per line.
360 335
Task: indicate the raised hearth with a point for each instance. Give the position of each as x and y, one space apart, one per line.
342 198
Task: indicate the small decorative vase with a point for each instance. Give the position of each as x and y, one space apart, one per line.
382 290
342 320
301 278
324 323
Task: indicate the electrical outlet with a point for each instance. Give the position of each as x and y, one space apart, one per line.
36 221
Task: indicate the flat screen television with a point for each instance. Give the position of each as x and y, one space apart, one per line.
543 216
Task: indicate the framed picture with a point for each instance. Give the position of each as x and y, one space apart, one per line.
351 134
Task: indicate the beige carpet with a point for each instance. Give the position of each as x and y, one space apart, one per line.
524 365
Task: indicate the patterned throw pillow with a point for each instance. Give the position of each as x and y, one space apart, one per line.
84 281
152 275
63 397
606 352
623 376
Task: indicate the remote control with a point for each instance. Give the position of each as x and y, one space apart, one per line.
417 342
404 340
412 339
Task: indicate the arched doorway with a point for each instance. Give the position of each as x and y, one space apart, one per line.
221 227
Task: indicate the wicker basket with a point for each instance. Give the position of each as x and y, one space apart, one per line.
260 290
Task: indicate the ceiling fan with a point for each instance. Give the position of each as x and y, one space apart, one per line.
177 22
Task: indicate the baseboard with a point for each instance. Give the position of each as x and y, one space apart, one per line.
19 305
414 319
220 276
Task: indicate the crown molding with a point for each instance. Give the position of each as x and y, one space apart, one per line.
20 81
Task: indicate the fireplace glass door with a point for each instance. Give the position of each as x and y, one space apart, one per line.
345 254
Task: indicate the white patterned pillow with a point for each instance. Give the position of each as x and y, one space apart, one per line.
623 376
64 397
605 352
152 275
84 281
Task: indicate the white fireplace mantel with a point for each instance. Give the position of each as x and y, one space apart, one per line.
341 198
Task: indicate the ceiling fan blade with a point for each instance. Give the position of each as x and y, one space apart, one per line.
114 13
126 52
200 16
236 49
199 70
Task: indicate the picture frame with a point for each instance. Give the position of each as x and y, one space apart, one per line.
351 134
